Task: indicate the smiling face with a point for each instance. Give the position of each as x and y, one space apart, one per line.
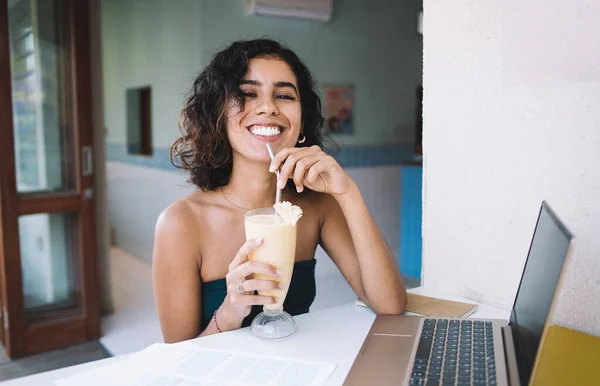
271 111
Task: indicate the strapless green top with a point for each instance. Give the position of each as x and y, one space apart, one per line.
300 296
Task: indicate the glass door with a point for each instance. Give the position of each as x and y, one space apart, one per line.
48 273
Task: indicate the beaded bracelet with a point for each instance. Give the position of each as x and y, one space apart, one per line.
215 319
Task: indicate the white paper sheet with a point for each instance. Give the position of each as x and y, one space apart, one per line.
184 364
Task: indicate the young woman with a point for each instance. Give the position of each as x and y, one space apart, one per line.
254 92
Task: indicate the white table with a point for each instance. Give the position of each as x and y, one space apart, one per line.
333 335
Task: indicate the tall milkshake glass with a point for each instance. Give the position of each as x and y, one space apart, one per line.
279 250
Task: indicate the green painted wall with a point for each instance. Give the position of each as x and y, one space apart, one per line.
152 43
369 44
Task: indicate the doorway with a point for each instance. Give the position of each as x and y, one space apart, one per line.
49 292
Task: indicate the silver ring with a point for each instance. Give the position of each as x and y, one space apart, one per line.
240 288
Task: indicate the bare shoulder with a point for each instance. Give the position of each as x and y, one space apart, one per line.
187 211
178 226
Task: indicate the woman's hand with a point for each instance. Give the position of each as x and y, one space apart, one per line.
313 168
240 290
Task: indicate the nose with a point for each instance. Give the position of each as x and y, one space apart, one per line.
267 106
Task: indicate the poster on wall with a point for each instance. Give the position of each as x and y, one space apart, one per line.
339 109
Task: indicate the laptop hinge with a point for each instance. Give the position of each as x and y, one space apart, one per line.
510 355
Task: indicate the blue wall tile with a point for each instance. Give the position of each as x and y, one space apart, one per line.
410 221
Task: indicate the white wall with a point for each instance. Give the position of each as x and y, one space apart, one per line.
133 215
152 43
511 116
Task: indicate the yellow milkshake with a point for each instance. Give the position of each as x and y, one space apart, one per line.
277 227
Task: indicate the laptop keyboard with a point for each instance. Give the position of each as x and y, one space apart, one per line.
455 352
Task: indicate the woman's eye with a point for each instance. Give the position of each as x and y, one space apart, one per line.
287 97
249 94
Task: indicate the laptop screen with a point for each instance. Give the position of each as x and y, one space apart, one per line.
547 253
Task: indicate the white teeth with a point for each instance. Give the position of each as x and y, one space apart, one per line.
266 131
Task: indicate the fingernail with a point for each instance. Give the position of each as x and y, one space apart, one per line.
279 272
299 189
281 285
271 169
259 241
280 184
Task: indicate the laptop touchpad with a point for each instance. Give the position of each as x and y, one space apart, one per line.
389 345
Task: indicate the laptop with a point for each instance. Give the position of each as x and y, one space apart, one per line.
416 350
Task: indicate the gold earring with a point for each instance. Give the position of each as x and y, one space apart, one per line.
303 139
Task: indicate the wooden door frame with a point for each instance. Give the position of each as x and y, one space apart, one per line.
20 339
1 310
10 262
81 40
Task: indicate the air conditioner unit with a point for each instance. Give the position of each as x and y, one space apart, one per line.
320 10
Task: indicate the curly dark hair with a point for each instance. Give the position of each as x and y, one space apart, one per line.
204 148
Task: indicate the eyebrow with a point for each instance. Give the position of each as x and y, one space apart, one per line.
279 84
